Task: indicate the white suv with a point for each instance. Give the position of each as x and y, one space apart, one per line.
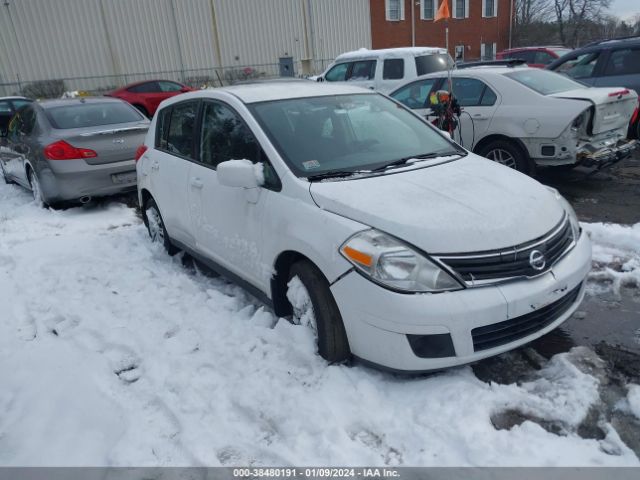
343 209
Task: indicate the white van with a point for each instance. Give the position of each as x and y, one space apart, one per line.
385 69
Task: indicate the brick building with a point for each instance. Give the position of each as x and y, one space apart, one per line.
477 29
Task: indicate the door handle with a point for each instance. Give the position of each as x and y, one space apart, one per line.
196 183
155 166
479 116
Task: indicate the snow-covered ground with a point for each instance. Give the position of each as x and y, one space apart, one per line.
113 353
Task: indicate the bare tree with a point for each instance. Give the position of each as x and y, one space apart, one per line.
573 16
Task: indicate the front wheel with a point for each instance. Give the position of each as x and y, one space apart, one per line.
508 154
156 228
313 305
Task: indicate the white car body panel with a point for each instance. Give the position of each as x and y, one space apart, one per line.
447 205
538 120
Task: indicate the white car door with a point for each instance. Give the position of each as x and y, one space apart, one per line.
227 221
169 166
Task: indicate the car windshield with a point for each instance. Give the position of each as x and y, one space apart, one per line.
347 133
81 115
544 81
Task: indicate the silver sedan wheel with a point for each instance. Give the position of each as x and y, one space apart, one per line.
154 222
502 156
35 188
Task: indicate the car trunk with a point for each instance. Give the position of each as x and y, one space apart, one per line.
112 143
613 107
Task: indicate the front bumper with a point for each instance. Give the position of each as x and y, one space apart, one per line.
73 179
377 321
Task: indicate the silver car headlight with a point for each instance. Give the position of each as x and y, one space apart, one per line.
573 218
392 263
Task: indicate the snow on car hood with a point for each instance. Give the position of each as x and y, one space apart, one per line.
471 204
613 106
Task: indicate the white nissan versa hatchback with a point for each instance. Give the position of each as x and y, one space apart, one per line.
342 208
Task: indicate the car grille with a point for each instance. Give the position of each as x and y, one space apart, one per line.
488 267
501 333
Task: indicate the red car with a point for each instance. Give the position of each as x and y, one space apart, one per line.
537 57
147 95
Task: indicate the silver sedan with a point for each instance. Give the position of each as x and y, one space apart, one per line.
73 150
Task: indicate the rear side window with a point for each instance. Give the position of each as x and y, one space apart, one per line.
147 87
623 62
543 58
471 92
5 107
432 63
363 70
393 69
162 128
181 129
82 115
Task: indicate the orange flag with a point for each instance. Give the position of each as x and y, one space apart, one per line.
443 11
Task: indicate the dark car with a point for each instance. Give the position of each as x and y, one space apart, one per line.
9 106
607 63
146 96
534 56
67 150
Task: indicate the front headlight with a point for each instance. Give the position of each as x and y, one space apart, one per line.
393 264
573 218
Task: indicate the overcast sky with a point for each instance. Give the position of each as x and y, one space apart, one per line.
625 8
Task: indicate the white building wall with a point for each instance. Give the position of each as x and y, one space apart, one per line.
120 41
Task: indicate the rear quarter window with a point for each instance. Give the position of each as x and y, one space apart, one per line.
432 63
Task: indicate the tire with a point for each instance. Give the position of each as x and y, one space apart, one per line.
333 345
36 190
155 226
142 110
4 176
509 154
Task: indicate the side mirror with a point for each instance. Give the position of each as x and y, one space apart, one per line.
240 173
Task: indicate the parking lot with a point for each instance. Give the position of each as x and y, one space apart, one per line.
185 368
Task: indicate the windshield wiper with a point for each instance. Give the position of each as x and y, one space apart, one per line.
424 156
332 174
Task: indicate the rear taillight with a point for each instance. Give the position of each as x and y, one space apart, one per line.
140 151
620 93
635 114
61 150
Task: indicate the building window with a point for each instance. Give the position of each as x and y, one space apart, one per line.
460 9
394 10
488 51
428 9
489 8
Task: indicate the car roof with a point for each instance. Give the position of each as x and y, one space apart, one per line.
16 97
59 102
269 91
518 49
389 52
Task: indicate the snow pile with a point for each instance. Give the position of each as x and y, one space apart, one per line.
113 353
634 399
616 254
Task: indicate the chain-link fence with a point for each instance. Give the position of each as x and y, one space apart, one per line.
195 78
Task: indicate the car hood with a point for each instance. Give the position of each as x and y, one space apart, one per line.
613 106
466 205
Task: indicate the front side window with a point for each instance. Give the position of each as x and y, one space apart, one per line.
415 95
544 81
338 73
181 129
81 115
623 62
19 103
169 86
363 70
581 66
394 10
543 58
225 137
393 69
428 10
345 132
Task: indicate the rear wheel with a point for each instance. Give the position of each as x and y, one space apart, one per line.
156 228
4 175
142 110
508 154
313 305
35 189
